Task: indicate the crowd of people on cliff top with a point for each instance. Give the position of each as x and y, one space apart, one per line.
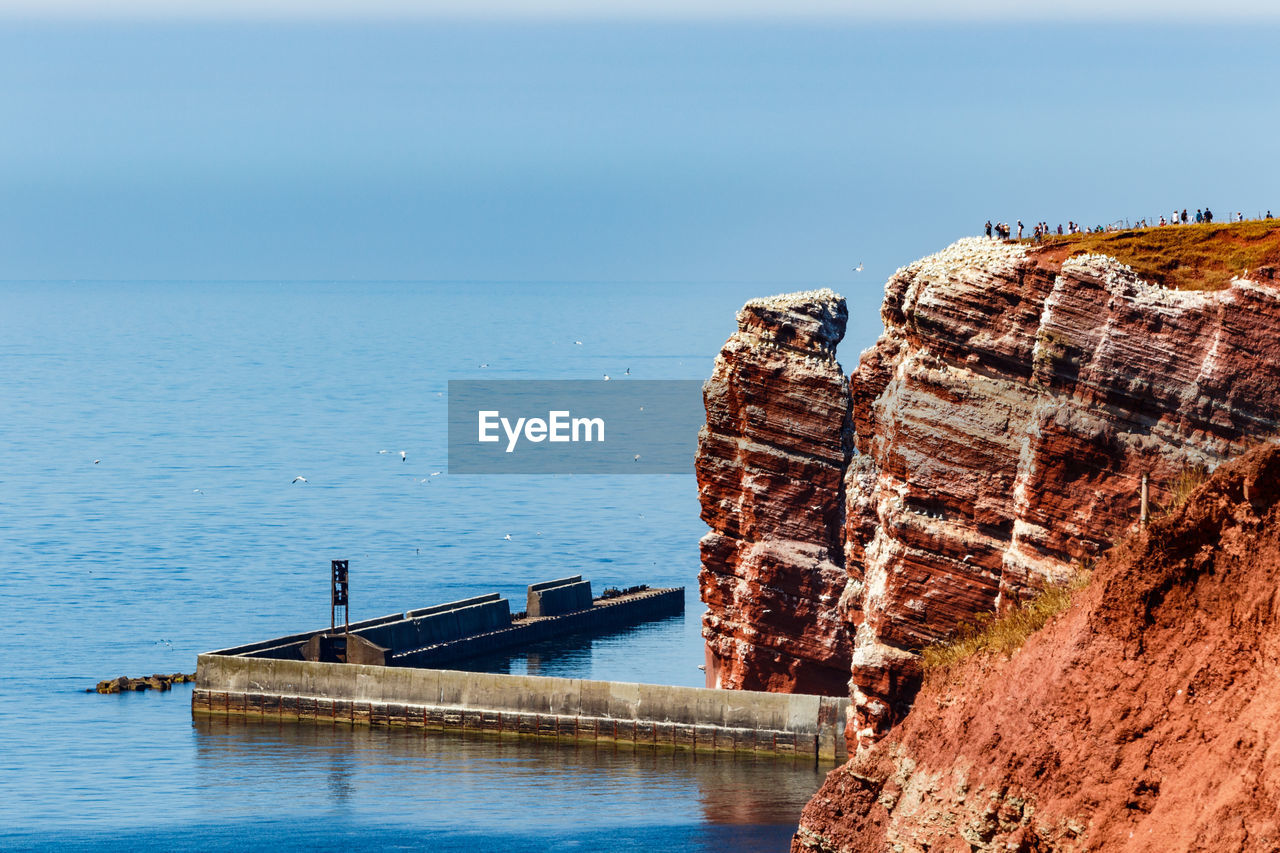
1003 231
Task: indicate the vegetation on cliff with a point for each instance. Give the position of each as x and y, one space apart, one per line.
1003 634
1181 257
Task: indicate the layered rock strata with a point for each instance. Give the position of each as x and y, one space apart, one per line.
1005 420
771 463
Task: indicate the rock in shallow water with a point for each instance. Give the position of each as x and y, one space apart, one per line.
157 681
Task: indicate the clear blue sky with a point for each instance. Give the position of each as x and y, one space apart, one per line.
627 148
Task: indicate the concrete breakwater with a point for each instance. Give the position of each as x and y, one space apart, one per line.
561 708
378 672
447 633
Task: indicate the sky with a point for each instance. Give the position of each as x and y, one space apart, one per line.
539 142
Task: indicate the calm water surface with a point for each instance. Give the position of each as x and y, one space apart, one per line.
201 402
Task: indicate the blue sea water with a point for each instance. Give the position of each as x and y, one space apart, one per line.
149 437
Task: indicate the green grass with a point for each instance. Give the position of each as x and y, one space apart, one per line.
1182 257
1003 635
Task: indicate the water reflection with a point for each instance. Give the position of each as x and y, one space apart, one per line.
480 782
339 779
623 654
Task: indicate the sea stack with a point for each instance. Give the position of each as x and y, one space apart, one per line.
770 466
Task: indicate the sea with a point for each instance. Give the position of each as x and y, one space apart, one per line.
150 436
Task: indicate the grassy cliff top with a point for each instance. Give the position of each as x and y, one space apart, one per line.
1180 257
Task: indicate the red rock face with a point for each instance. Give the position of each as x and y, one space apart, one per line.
1145 718
1004 422
770 468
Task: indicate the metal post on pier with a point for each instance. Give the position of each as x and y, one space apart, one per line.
338 595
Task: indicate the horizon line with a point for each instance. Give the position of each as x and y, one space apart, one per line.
640 11
260 280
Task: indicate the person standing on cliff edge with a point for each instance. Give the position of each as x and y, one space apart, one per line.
988 229
1019 229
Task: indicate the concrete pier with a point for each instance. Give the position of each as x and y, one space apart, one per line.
535 706
396 671
447 633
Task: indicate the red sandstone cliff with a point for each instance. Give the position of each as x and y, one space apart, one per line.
1004 421
770 468
1146 717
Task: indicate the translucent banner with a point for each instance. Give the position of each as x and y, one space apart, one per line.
641 426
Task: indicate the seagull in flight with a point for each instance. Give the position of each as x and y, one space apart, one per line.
96 461
404 457
507 537
858 268
380 452
577 343
299 479
436 473
627 372
606 377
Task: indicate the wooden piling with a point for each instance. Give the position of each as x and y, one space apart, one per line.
1146 511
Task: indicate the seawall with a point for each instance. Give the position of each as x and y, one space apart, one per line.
537 706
